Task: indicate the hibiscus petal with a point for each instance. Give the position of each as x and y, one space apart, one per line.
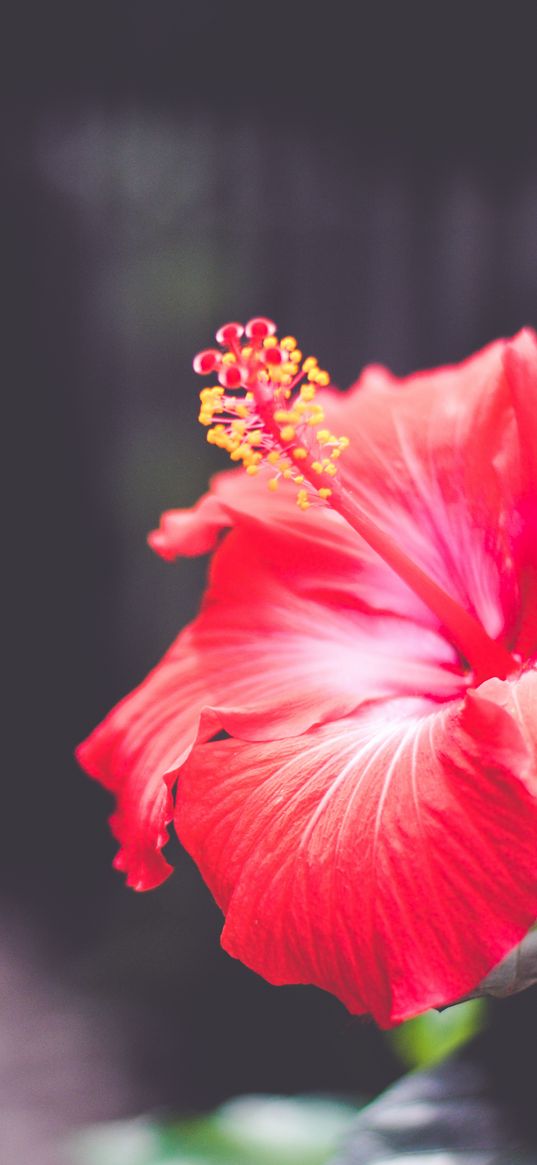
304 655
521 372
390 857
131 753
438 465
435 458
272 667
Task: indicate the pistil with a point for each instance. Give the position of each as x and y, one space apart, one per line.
265 426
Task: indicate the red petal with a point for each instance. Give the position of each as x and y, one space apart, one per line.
521 371
438 464
131 753
390 858
442 460
282 657
273 661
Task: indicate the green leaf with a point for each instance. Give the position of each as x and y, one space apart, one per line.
251 1130
429 1038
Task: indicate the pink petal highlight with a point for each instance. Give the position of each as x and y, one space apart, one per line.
389 858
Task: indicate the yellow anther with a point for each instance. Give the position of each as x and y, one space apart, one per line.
270 342
317 467
229 358
273 457
302 499
324 435
246 351
331 470
325 493
255 437
307 392
299 478
287 474
299 453
282 416
273 484
309 363
249 397
285 379
296 356
288 343
289 368
313 374
252 470
288 433
323 378
344 442
242 411
238 426
335 454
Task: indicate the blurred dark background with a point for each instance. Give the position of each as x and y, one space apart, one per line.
366 175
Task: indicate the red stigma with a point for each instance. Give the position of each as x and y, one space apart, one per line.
229 334
207 361
273 356
230 376
259 328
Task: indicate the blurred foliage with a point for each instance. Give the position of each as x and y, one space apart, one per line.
251 1130
271 1130
430 1037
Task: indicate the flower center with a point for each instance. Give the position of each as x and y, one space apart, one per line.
265 413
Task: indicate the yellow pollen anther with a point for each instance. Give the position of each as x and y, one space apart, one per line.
307 392
259 427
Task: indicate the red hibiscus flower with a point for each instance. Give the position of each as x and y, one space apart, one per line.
369 823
